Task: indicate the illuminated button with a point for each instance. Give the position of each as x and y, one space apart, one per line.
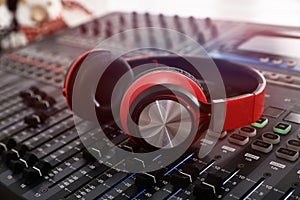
282 128
264 59
287 154
261 122
262 146
248 131
238 139
291 63
274 76
293 144
273 112
271 138
277 61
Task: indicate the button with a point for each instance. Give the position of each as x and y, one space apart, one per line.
277 61
273 76
261 122
287 154
264 59
262 146
271 138
293 117
293 144
291 63
248 131
288 79
238 139
282 128
273 112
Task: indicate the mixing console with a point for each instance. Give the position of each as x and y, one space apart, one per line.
42 155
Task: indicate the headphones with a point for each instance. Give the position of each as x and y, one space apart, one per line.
162 104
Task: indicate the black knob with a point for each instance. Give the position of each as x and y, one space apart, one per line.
96 27
32 100
200 38
208 22
16 166
162 21
30 175
10 143
43 166
88 156
30 159
122 20
43 105
191 169
202 191
35 119
134 20
22 149
26 94
180 180
50 100
209 188
7 156
145 181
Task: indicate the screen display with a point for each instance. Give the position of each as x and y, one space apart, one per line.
283 46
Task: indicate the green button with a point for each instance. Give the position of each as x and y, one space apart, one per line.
261 122
282 128
298 135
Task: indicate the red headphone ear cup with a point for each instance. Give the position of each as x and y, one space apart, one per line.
95 74
191 92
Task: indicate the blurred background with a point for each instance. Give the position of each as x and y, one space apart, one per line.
29 19
281 12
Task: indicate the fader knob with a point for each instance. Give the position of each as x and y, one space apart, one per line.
16 166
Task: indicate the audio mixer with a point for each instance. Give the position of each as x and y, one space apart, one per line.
43 155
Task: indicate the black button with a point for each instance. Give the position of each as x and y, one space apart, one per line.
238 139
287 154
248 131
271 138
293 144
262 146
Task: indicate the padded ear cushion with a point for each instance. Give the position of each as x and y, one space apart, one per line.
94 90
